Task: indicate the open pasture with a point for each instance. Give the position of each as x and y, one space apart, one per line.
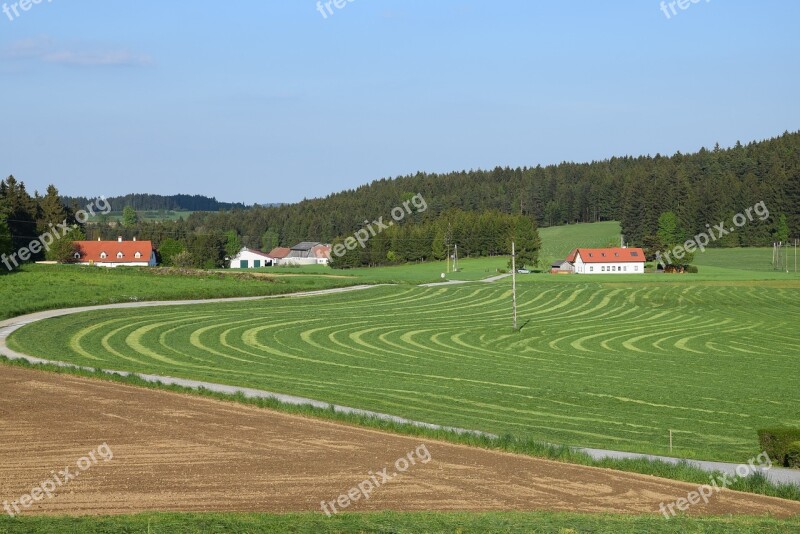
602 364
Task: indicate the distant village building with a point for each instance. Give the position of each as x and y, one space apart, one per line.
278 254
117 253
616 260
251 259
308 253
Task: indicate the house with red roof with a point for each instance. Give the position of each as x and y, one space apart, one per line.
115 253
616 260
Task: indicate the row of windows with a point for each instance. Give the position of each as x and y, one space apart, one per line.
614 268
103 255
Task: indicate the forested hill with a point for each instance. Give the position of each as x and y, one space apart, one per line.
146 202
701 188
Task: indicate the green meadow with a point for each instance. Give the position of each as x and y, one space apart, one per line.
611 362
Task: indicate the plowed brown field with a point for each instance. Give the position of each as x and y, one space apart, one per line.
183 453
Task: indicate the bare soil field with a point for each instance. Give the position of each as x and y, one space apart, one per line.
175 452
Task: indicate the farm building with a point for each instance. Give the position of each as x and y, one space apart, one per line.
562 267
278 254
115 253
308 253
607 260
251 259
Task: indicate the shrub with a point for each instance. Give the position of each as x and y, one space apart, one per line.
777 441
691 269
793 455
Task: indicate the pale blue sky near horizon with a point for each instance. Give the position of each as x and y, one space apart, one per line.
271 102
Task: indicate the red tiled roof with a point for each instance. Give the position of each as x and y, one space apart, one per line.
279 253
611 255
93 250
321 251
572 255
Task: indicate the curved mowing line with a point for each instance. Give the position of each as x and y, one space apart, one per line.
448 352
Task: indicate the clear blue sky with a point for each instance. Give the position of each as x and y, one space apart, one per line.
267 101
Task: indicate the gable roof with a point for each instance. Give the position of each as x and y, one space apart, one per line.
322 251
256 252
305 246
572 255
611 255
93 250
279 253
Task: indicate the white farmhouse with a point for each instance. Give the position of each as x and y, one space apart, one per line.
607 260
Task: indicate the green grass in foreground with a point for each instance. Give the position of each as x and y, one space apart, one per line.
397 523
682 471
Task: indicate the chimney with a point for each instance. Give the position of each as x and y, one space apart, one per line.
98 239
119 239
134 239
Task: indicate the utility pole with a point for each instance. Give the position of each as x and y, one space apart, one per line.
514 282
455 258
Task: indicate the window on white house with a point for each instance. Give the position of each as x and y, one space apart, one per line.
103 255
138 255
119 255
602 268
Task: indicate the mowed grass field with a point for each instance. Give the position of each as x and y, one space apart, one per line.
608 361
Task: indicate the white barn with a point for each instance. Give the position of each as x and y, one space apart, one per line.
250 259
608 260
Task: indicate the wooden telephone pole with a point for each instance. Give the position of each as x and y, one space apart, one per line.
514 282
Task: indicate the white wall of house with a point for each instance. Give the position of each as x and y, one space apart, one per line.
151 262
248 259
304 261
609 267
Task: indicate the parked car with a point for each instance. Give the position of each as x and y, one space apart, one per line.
523 271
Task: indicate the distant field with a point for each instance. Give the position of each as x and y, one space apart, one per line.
153 215
558 241
612 362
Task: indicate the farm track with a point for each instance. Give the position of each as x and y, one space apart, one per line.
182 453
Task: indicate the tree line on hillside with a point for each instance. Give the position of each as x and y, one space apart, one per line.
147 202
656 198
702 188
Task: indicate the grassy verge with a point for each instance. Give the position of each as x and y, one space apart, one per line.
35 288
399 523
757 483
